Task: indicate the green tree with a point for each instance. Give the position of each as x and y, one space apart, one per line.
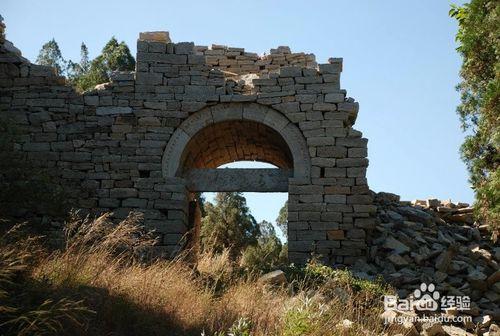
76 70
50 55
282 220
84 58
478 37
114 57
267 253
228 224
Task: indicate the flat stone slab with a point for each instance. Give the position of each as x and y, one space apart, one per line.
109 110
238 179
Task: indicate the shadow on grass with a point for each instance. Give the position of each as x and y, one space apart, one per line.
112 314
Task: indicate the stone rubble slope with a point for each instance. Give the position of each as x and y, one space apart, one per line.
436 242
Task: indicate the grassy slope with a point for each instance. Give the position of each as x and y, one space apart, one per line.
97 285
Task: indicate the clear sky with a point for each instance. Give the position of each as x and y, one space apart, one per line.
399 56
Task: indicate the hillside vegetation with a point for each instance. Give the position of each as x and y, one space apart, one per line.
98 284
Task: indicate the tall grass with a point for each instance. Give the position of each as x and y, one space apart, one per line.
26 308
103 283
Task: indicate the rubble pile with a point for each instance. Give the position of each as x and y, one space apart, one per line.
436 242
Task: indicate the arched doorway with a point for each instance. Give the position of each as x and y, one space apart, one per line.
328 202
233 125
228 133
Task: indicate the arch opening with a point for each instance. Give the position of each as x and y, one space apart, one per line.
227 133
235 132
236 140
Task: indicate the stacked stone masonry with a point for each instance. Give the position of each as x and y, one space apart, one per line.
129 144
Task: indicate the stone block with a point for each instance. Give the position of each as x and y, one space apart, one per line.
134 203
336 235
109 202
173 59
324 107
306 98
111 110
311 198
334 97
184 48
305 189
91 100
352 162
352 142
309 216
149 78
357 152
336 199
156 47
359 199
332 152
356 171
333 68
335 172
364 223
337 190
36 147
301 245
76 156
290 71
159 36
122 193
356 234
264 81
290 107
331 216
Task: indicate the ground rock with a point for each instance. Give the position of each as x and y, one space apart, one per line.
456 331
394 244
274 278
433 329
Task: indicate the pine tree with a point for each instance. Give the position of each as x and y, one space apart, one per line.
84 58
76 70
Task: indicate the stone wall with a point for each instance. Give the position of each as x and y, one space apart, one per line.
123 146
237 61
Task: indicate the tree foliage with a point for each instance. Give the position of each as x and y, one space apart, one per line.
114 57
85 75
50 55
267 254
76 70
282 220
228 224
478 37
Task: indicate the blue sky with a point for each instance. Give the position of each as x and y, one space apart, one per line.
400 63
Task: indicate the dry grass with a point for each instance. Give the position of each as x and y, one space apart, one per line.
102 268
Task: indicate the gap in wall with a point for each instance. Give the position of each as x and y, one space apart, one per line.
262 205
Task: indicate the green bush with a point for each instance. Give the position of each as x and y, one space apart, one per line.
479 111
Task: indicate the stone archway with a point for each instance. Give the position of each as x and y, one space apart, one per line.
277 128
228 133
126 147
